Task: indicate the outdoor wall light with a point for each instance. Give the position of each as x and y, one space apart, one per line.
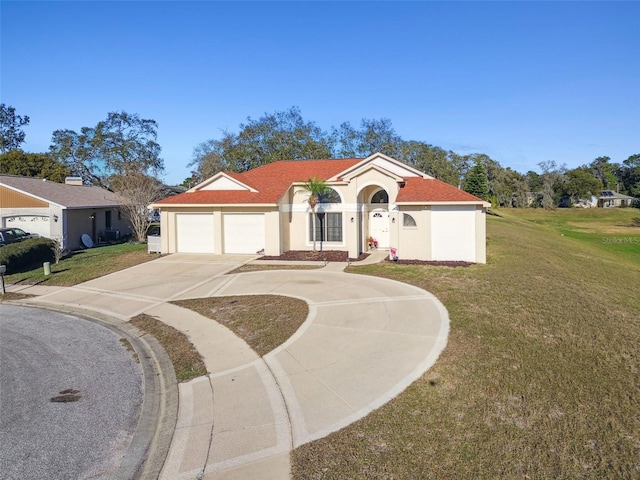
55 218
351 219
393 220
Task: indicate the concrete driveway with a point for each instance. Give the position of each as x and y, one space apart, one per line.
365 340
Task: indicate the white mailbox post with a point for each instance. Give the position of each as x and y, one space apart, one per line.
3 269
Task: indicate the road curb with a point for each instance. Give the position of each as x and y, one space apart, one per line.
151 440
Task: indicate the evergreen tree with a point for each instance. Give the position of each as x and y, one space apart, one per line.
476 181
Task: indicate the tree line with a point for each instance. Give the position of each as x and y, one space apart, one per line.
119 153
287 135
124 146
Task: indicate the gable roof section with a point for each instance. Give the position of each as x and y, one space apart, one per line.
353 173
427 190
222 181
270 183
66 196
384 162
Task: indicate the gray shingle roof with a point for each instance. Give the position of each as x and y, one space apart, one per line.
610 194
70 196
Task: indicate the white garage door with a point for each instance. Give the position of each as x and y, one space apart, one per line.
195 232
243 232
34 224
453 233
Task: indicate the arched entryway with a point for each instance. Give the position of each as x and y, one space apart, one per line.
379 217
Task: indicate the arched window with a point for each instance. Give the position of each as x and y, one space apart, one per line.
408 221
380 197
330 196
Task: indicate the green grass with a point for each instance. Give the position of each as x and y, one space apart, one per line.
85 265
541 374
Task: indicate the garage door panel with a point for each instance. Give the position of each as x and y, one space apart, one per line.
34 224
195 232
244 233
453 233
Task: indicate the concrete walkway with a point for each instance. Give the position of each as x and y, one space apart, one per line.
365 340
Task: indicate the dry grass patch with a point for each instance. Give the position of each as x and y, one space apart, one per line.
13 296
540 377
263 321
186 360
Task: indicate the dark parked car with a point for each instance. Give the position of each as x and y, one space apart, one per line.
11 235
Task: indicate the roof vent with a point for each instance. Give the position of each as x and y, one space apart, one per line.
73 181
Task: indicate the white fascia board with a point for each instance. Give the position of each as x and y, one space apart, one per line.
330 183
89 207
322 207
166 207
483 203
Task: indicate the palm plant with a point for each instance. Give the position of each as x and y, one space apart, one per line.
316 187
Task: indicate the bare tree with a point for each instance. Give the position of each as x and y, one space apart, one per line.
552 178
137 191
59 249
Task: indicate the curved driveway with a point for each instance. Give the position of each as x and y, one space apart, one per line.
365 340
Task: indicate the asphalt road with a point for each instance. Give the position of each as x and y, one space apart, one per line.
47 355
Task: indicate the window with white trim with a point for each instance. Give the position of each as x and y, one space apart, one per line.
408 220
328 227
329 196
380 197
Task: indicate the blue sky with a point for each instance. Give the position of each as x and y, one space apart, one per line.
523 82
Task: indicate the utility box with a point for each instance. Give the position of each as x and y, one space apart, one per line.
154 245
112 235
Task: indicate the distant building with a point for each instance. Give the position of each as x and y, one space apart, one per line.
609 198
61 211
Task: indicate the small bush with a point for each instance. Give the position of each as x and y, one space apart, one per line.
22 255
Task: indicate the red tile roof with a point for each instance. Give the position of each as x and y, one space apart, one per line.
274 179
271 182
432 190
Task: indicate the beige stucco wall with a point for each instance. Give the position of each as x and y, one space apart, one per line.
481 234
412 242
355 208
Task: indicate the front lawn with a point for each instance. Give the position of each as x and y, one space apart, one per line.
85 265
541 374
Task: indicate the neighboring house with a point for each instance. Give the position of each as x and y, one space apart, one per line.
61 211
266 210
609 198
567 201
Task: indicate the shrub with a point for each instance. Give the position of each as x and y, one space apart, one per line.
25 254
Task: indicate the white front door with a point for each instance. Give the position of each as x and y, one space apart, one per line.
379 227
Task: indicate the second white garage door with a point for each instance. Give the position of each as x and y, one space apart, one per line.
453 233
195 232
243 232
